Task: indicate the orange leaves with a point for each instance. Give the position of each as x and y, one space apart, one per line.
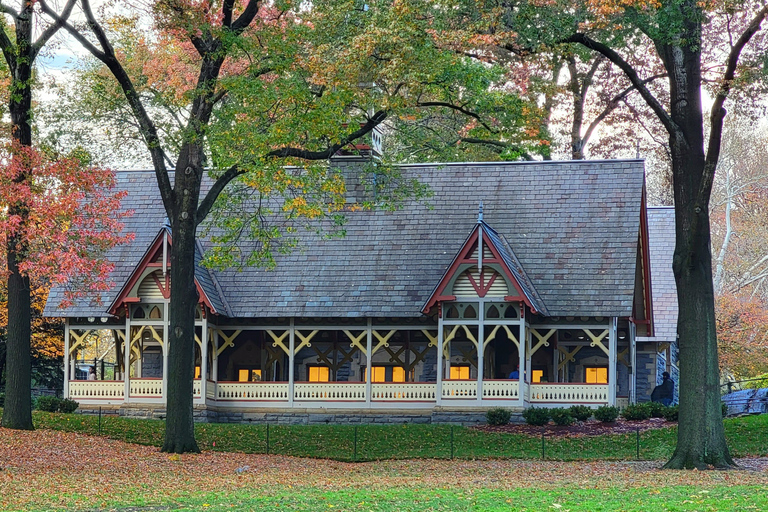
742 332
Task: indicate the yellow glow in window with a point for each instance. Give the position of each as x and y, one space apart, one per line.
378 374
459 372
319 374
537 375
197 372
398 374
596 375
242 375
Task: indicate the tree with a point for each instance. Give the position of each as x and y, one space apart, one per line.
265 85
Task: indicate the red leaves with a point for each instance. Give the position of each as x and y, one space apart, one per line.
67 218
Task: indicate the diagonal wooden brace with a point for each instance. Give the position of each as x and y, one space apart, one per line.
383 340
228 341
305 340
279 341
356 341
597 340
543 340
79 340
567 356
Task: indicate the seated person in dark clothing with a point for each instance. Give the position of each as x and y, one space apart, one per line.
515 374
664 393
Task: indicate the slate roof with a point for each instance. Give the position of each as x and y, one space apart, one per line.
573 226
661 244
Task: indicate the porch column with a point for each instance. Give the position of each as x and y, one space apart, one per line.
528 366
368 363
439 365
633 363
522 380
204 360
215 369
612 337
66 358
480 350
166 323
127 356
291 354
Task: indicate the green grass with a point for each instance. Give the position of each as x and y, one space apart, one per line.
369 442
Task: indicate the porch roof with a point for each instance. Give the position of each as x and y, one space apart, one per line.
573 226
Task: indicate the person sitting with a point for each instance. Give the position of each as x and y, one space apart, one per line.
664 393
515 374
92 373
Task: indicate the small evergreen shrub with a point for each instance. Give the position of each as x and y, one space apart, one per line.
670 413
48 404
561 416
637 412
656 409
498 416
581 412
2 399
536 416
724 407
68 406
606 413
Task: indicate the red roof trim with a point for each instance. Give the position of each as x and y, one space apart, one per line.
646 258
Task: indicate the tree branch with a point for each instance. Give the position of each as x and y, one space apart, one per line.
51 30
458 109
246 17
498 144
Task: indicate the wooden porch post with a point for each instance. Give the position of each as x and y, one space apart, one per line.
480 350
524 373
439 382
166 323
215 369
368 358
633 363
127 356
66 358
612 338
291 354
204 360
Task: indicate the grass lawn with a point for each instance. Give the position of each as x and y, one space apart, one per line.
58 468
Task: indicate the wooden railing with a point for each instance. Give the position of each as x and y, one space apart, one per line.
403 392
96 389
330 391
250 390
197 388
568 393
210 390
149 388
501 390
461 389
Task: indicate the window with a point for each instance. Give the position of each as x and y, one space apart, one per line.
319 374
249 375
596 375
460 372
197 372
387 374
537 375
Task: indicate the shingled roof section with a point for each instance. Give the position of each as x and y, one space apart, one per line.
661 244
572 225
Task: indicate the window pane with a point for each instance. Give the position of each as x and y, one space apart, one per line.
255 375
537 375
378 374
197 372
319 374
460 372
598 375
398 374
242 375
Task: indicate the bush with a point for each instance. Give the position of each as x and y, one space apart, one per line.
670 413
498 416
2 399
724 408
656 409
536 416
607 413
68 406
48 403
637 412
561 416
581 412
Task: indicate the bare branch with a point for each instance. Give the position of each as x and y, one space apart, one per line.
52 29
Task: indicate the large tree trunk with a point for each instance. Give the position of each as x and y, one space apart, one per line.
17 413
701 437
179 426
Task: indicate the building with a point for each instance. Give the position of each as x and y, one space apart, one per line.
542 268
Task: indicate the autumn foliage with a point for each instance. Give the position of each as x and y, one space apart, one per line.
742 332
73 219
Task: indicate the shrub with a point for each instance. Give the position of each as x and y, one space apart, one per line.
561 416
48 404
724 408
498 416
68 406
581 412
637 412
670 413
536 415
2 399
656 409
607 413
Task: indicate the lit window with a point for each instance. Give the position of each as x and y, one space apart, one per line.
242 375
378 374
460 372
398 374
319 374
537 375
197 372
249 375
596 375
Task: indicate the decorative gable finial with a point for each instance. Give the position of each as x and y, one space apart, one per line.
480 213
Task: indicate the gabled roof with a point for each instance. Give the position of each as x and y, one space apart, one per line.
502 254
573 227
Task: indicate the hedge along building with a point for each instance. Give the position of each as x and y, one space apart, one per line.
420 311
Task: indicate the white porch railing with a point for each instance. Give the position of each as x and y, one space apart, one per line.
149 388
501 389
403 392
210 390
197 388
342 391
250 390
568 393
462 389
96 389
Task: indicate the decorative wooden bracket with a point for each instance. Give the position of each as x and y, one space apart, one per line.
228 341
305 340
622 357
597 340
79 340
431 337
492 336
543 341
383 340
451 335
279 341
661 347
356 341
567 356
